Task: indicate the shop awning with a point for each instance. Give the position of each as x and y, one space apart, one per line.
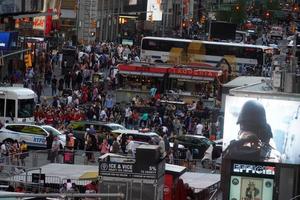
89 176
191 78
183 72
137 73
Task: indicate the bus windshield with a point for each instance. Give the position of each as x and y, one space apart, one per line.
26 108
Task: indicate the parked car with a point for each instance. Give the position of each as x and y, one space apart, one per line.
33 135
145 137
196 143
213 156
80 127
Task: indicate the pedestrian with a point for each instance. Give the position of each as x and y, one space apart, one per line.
91 145
109 104
104 147
5 151
67 79
123 143
189 158
55 150
24 152
115 146
199 128
54 85
130 147
60 86
39 91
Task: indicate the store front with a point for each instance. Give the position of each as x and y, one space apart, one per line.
185 83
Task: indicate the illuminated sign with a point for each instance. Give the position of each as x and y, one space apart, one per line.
253 169
39 23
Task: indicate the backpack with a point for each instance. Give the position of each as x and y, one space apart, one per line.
236 150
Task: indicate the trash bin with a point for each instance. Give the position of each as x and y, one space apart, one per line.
69 156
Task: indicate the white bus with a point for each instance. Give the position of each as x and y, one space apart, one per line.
17 104
243 58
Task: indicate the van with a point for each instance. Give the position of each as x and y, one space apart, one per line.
33 135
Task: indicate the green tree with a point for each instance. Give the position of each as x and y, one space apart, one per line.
272 5
236 15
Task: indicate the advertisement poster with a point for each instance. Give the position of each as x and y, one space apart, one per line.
154 9
260 129
247 188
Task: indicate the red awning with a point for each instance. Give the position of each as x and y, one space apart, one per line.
175 72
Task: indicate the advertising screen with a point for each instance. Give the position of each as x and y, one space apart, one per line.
248 188
154 9
251 180
260 129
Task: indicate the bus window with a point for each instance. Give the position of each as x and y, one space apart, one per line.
10 108
25 108
1 107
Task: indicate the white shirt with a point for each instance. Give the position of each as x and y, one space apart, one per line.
199 129
128 112
131 147
69 100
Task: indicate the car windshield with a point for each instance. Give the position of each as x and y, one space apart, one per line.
51 129
25 108
116 127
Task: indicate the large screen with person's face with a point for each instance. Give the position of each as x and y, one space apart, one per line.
261 129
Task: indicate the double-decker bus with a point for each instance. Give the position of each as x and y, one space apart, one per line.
244 59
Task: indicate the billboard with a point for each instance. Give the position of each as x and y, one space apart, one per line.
261 129
154 10
217 30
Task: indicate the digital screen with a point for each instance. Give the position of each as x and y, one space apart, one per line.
248 188
217 30
8 40
262 130
154 9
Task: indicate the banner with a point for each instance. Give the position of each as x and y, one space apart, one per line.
154 10
39 23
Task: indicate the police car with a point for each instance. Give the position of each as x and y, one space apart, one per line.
33 135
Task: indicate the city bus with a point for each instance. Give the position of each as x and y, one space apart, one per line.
17 104
244 59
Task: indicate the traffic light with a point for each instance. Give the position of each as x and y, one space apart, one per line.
94 24
237 8
27 60
267 14
123 20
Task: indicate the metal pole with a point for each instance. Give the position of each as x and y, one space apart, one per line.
77 19
181 17
62 195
